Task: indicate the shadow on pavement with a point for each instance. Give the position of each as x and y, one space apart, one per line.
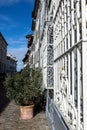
3 99
40 107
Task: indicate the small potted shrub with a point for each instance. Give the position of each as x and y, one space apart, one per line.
25 88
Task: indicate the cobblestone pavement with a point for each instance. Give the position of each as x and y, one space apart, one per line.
10 120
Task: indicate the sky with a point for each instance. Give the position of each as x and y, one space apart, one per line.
15 24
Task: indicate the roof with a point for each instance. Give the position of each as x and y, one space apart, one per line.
29 35
36 5
11 57
34 13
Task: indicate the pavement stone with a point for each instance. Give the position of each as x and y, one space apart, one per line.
10 120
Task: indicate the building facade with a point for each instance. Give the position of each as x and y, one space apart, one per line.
36 29
28 59
60 39
8 63
43 42
11 64
3 53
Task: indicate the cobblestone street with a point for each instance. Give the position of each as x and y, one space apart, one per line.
10 120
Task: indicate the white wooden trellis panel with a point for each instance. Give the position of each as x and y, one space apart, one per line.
62 53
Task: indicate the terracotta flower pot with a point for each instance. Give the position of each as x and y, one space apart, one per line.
26 112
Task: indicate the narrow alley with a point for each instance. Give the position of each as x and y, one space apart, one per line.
10 120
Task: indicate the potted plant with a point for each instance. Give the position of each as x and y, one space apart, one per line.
25 88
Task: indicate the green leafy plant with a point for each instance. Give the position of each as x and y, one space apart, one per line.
25 86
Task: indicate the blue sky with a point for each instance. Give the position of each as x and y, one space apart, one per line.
15 24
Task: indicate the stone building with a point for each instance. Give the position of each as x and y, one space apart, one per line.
11 64
28 59
60 39
3 53
43 41
8 63
36 29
